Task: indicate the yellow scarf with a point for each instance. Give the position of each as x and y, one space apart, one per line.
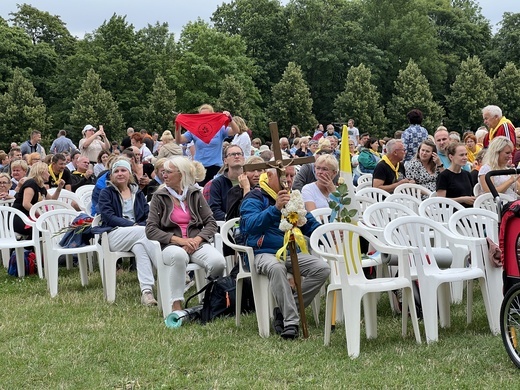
53 176
395 169
493 131
471 155
265 186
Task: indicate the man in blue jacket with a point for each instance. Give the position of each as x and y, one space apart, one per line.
260 218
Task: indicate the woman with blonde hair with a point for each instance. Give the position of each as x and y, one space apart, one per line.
169 147
31 192
498 156
5 185
33 158
242 138
181 220
316 195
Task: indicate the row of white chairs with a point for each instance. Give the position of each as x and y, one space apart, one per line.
401 229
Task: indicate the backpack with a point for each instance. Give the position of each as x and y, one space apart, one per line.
30 263
220 297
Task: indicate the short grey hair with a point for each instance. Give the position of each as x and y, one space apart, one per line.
392 145
493 110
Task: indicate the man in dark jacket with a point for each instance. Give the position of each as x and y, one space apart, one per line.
260 219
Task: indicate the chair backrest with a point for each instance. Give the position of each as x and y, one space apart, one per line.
364 202
7 202
378 215
376 194
322 214
477 189
84 194
227 231
7 215
67 197
439 209
365 178
486 201
54 221
414 233
476 223
44 206
412 189
409 201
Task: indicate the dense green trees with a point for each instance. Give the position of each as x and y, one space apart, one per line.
299 63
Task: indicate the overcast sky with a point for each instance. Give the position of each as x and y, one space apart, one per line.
86 15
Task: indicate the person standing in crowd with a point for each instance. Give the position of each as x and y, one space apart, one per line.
414 134
168 148
294 133
62 144
497 124
32 145
93 142
127 142
182 222
353 132
209 154
242 138
454 182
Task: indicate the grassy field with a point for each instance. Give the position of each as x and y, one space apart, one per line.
78 341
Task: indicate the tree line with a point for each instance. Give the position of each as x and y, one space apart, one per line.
302 63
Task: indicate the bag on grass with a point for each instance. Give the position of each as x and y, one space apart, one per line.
30 263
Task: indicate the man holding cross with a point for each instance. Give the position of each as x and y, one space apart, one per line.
260 218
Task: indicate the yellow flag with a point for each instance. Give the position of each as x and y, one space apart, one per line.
345 168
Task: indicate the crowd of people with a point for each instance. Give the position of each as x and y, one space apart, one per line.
174 188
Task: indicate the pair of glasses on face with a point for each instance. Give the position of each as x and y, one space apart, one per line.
4 183
236 154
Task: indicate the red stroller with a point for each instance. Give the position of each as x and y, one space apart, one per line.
509 235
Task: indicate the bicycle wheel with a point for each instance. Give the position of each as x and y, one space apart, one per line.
510 323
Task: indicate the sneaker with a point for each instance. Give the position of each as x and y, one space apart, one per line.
290 332
278 320
147 298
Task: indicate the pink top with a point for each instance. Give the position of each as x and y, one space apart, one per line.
181 218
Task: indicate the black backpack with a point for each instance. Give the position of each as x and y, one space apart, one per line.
220 297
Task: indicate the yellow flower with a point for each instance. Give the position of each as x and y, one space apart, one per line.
293 218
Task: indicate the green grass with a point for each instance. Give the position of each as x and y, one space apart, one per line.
78 341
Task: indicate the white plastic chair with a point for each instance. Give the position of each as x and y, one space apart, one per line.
42 207
487 202
84 194
49 224
9 240
410 201
339 242
414 233
440 209
376 194
378 215
477 189
259 283
364 202
5 251
413 189
478 224
68 197
365 178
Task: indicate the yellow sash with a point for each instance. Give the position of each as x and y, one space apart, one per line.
493 131
395 169
53 176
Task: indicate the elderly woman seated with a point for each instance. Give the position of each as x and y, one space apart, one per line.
181 220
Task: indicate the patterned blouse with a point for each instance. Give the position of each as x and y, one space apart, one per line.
415 170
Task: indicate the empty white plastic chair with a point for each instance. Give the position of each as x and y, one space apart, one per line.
339 243
413 189
410 201
414 233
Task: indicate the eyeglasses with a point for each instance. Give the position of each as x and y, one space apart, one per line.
4 183
236 154
324 169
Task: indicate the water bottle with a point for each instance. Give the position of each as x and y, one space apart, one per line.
176 318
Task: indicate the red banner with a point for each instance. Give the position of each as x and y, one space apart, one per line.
203 126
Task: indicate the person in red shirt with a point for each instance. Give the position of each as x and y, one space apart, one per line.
497 124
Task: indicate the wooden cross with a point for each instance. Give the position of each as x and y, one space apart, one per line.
280 164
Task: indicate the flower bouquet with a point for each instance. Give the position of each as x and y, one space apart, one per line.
293 217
